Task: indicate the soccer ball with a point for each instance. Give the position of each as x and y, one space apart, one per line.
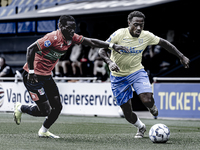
159 133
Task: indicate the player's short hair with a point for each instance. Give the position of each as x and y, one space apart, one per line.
135 14
65 18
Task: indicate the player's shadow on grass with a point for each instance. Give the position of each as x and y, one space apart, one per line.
103 139
163 143
147 138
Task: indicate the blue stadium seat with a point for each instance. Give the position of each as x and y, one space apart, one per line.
64 1
45 5
15 2
7 11
25 8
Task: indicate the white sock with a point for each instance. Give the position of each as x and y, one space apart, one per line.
138 124
19 108
153 107
43 129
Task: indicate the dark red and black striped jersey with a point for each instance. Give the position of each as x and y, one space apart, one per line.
52 46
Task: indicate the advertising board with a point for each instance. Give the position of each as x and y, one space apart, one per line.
77 98
181 100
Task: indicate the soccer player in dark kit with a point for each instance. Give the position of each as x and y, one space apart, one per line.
42 57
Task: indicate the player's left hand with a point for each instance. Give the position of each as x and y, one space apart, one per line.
117 48
185 61
32 78
113 67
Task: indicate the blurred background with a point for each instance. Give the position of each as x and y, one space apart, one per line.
22 22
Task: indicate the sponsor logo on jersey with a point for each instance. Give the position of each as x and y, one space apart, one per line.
47 43
53 55
124 40
132 51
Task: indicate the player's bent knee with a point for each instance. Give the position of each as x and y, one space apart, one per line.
59 108
45 108
148 102
147 99
47 112
58 105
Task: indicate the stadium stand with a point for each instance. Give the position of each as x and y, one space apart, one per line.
28 30
13 49
7 11
23 6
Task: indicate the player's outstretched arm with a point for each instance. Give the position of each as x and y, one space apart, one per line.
101 44
172 49
112 65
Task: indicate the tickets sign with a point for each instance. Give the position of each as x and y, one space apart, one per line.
180 100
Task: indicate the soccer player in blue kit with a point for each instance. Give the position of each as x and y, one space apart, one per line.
128 73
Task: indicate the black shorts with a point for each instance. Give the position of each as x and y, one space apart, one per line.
43 90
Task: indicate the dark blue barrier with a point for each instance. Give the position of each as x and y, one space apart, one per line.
179 100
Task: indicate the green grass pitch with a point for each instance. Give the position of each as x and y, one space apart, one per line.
94 133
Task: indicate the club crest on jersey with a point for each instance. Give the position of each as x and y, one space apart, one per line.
47 43
140 41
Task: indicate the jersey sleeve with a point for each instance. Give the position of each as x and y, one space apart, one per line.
45 42
77 39
154 40
114 38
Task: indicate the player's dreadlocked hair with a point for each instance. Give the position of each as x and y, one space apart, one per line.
135 14
65 18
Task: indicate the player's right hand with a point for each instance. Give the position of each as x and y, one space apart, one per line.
185 61
117 48
32 78
113 67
